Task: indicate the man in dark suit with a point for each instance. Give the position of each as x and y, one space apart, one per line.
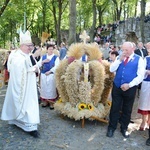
141 50
34 59
36 47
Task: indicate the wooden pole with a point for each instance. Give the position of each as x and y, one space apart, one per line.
83 121
99 119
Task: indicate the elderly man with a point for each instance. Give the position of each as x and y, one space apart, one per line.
106 51
62 51
21 102
129 69
141 51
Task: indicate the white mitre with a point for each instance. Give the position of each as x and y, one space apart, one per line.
25 38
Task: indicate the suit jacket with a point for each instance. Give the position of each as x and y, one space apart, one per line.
37 58
145 53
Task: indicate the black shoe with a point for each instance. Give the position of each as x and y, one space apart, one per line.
131 121
51 107
148 142
125 133
35 134
39 101
44 105
110 133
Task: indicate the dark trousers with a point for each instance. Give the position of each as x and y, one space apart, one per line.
121 109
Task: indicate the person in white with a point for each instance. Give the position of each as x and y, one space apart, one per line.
49 63
21 101
106 50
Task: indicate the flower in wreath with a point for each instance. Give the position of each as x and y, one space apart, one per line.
59 101
90 107
82 106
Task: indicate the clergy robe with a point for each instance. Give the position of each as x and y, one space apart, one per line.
21 101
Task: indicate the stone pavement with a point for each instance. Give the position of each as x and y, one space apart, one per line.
63 133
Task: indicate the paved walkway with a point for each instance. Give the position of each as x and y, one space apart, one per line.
57 134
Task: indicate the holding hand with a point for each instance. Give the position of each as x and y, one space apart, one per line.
45 61
148 72
47 73
122 57
125 86
35 68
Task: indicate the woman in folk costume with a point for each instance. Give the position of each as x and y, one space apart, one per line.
21 102
49 63
144 99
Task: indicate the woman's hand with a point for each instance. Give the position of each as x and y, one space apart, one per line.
45 61
47 73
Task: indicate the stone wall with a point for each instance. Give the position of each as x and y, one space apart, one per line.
132 24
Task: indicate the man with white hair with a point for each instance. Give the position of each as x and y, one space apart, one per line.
141 51
21 101
106 50
62 51
129 69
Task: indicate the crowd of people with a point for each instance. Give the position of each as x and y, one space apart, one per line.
130 63
106 32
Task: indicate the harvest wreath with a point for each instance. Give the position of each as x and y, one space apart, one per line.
84 87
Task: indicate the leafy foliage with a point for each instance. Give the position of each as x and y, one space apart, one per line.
52 16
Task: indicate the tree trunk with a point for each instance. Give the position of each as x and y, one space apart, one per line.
135 11
72 22
43 23
44 9
118 7
143 5
100 17
94 21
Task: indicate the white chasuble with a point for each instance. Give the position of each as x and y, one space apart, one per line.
21 101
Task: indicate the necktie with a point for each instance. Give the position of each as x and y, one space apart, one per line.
141 53
126 60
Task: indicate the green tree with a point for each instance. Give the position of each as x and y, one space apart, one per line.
58 7
118 7
101 7
51 16
4 7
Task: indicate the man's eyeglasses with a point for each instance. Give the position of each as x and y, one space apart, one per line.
31 45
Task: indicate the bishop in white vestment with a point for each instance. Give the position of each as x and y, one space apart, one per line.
21 102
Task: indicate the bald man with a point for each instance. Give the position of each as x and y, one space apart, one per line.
129 69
